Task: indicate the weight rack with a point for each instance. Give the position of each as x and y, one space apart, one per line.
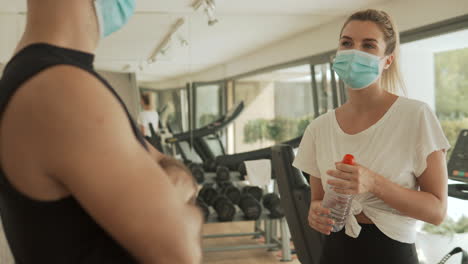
269 230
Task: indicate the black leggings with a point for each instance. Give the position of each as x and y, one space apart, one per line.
371 246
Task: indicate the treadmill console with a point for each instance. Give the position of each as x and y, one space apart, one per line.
458 163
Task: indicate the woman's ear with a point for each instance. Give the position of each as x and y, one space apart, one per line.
389 61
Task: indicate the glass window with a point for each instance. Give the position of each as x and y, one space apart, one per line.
173 109
208 103
278 107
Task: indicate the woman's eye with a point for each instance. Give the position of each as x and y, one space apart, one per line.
369 46
345 43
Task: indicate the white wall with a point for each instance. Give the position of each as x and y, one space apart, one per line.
417 67
125 85
408 14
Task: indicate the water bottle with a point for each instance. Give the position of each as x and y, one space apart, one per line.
339 204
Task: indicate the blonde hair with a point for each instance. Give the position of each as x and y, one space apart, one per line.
391 79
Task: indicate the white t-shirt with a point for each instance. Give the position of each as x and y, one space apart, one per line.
147 117
395 147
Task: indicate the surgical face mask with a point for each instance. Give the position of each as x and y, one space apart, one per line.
113 14
356 68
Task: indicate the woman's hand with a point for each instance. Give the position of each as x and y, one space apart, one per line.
318 218
352 179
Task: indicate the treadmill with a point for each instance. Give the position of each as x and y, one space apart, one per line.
295 200
203 144
236 161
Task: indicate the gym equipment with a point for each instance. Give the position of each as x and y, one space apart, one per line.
458 171
222 174
224 208
197 171
249 205
230 191
453 252
458 163
208 194
251 208
272 202
295 200
235 162
255 191
204 208
205 140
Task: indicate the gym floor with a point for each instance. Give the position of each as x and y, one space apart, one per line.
251 256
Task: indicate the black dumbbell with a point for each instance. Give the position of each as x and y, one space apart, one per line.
208 194
224 208
255 191
197 171
231 191
272 202
209 165
204 208
251 208
222 174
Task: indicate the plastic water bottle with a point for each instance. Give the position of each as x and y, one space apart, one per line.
339 204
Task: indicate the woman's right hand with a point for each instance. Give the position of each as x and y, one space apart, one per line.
318 218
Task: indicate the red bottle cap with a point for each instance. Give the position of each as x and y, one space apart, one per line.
348 159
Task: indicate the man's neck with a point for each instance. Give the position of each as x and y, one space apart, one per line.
70 25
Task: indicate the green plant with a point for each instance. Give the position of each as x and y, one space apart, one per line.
205 119
277 130
302 125
448 227
255 130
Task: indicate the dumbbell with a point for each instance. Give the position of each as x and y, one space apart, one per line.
224 208
208 194
271 201
209 165
197 171
222 174
255 191
249 205
251 208
204 208
230 191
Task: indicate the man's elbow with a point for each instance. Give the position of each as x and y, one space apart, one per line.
192 256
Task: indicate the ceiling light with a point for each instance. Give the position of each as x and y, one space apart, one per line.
209 7
163 47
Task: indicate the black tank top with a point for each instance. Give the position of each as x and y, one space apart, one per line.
57 231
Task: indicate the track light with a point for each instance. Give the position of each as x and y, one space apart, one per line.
209 7
164 46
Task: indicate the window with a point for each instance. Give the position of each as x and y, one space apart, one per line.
278 107
172 107
208 102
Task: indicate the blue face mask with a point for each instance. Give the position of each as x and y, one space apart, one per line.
356 68
113 14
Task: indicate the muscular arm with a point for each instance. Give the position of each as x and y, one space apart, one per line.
430 203
87 145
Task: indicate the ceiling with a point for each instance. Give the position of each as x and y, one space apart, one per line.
244 26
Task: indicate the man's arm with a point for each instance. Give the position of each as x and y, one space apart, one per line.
83 139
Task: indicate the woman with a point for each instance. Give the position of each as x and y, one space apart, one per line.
400 175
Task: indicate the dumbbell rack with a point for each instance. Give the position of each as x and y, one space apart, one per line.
269 230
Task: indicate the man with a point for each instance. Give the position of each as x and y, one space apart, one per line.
72 190
147 116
